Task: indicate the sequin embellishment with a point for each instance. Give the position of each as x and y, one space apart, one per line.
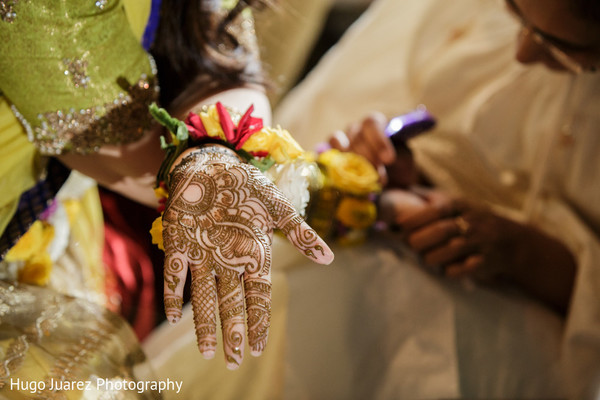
84 131
101 4
7 11
77 70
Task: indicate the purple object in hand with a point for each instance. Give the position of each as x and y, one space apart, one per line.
409 125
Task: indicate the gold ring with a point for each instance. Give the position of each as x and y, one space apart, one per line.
463 226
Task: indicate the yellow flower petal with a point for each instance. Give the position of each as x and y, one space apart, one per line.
259 141
283 146
157 233
211 122
278 142
161 193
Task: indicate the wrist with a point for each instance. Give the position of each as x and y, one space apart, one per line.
244 134
212 150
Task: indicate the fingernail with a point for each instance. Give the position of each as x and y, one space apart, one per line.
232 366
207 348
173 319
258 348
322 254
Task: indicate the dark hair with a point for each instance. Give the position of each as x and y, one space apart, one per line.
587 9
198 47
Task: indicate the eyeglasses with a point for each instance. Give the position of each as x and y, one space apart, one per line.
541 39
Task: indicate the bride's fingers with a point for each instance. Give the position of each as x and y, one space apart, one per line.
204 304
305 239
257 292
231 312
258 309
175 271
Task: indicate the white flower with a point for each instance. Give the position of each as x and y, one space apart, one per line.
293 179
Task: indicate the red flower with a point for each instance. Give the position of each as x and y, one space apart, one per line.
247 126
234 135
195 126
226 123
259 154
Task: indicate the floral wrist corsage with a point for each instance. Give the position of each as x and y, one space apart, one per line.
272 150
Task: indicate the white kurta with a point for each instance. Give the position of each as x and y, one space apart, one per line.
374 324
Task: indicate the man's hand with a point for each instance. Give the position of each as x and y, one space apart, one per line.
395 166
463 239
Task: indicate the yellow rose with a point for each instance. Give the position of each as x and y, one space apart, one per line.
157 233
283 146
278 142
356 213
350 172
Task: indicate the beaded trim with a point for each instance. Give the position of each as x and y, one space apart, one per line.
86 130
101 4
77 70
7 11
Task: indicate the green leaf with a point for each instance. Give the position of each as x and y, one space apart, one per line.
164 118
182 132
263 164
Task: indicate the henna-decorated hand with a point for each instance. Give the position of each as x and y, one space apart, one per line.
219 223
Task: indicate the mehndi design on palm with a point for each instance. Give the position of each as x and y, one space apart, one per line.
219 223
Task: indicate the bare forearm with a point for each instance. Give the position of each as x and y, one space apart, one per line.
131 169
